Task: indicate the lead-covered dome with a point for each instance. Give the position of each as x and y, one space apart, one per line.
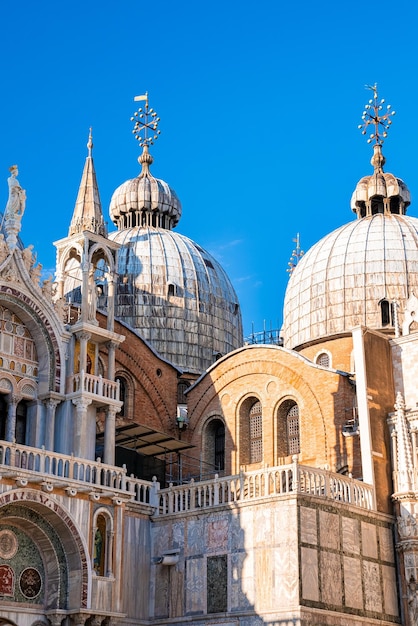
361 272
173 292
343 280
145 200
177 296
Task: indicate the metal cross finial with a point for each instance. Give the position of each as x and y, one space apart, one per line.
373 114
146 123
297 254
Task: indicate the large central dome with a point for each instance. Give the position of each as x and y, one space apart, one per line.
173 292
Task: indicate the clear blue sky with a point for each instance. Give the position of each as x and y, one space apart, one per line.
259 105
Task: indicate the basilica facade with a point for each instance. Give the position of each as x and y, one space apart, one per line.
154 469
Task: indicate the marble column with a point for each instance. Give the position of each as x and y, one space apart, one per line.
79 433
109 436
51 406
11 418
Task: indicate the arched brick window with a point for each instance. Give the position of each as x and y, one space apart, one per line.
288 437
323 359
214 445
256 433
292 420
250 431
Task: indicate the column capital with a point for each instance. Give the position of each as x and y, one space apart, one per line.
81 403
83 335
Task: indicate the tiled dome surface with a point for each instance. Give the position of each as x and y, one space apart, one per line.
339 283
177 296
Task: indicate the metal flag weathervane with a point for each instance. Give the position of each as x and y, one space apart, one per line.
146 123
373 114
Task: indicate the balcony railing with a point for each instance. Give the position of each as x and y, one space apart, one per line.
266 483
37 465
27 464
94 385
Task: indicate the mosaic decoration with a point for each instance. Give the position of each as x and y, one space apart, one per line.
7 580
8 544
30 582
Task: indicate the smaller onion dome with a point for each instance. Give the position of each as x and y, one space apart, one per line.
145 200
380 192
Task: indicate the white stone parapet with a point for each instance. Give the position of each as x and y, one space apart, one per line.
56 470
94 385
63 471
271 482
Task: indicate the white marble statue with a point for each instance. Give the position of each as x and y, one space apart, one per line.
15 206
4 250
29 257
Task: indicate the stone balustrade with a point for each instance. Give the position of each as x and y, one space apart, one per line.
28 464
95 385
266 483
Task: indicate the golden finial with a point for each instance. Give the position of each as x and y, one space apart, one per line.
90 141
373 114
146 123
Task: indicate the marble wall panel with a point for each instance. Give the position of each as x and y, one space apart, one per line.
286 578
331 578
308 526
353 590
264 579
195 543
329 531
309 567
242 587
195 585
390 596
372 589
217 534
387 552
350 535
161 591
263 525
369 540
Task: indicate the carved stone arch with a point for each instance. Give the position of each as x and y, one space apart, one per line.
101 252
126 393
27 389
44 333
7 622
61 544
74 250
7 384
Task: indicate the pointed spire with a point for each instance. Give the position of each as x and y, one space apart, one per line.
88 209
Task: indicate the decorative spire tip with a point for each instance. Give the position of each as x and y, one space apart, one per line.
373 114
90 142
146 123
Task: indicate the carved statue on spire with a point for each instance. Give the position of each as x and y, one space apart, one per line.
15 208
